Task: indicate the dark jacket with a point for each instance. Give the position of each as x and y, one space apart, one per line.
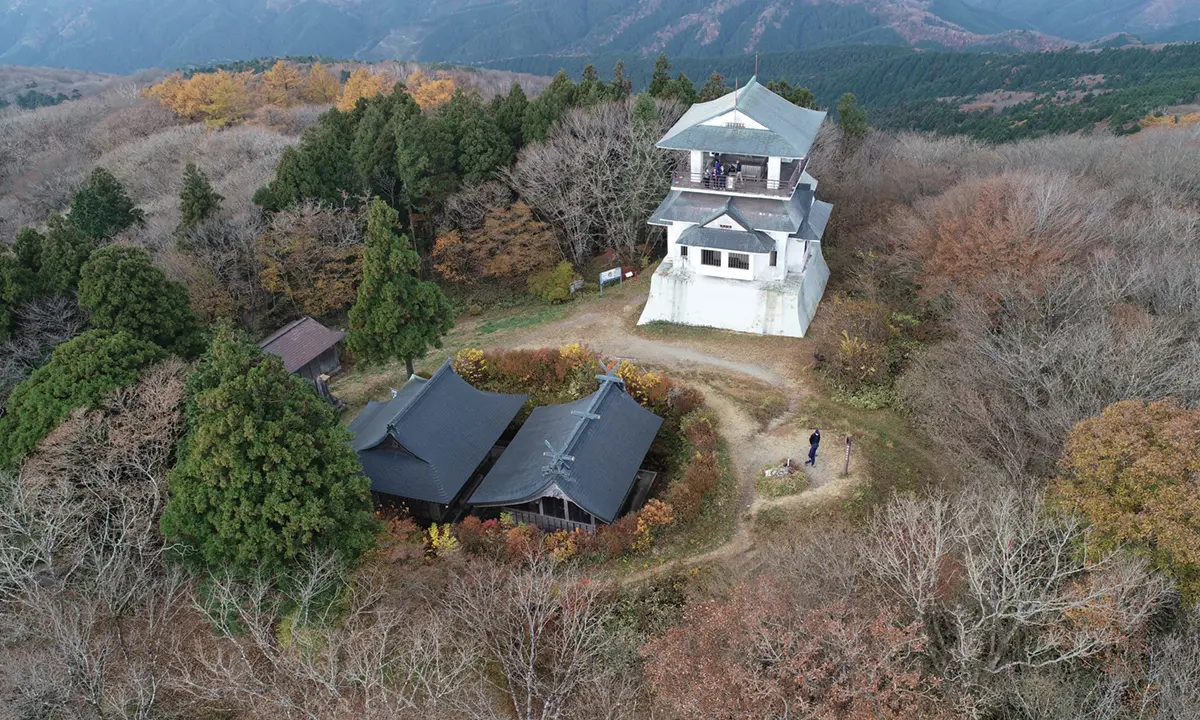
815 438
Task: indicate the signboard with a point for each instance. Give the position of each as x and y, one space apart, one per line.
608 276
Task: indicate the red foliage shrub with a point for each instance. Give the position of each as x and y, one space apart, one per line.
683 399
699 427
522 542
687 495
617 538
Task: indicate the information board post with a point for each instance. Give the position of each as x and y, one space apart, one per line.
609 275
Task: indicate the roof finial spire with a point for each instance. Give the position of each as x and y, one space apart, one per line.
755 64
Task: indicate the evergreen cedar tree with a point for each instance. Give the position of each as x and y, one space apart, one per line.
397 315
663 87
80 373
266 472
851 118
64 250
714 88
101 208
386 146
125 292
1134 472
198 201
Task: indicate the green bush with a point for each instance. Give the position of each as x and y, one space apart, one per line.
553 285
80 373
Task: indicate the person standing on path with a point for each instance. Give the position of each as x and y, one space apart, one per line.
814 440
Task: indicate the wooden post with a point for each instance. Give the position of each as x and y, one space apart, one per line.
846 467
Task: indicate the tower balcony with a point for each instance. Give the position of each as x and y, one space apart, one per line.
751 180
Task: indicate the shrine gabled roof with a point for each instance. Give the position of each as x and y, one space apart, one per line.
790 129
606 434
426 442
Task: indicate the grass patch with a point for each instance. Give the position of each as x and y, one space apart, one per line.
894 455
516 322
664 329
774 486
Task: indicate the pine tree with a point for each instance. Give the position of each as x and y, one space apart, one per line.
714 88
101 208
198 201
125 292
397 315
266 472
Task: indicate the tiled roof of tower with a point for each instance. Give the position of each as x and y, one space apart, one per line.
750 242
426 442
754 213
300 342
608 451
790 131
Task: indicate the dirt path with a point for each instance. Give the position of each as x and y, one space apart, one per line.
751 446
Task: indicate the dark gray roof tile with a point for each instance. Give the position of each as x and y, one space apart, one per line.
608 453
427 442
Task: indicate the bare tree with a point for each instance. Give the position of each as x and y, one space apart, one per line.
1002 590
597 178
42 324
542 626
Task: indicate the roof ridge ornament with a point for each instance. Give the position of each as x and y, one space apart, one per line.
610 374
558 466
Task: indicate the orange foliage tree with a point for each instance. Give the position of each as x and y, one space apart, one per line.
364 84
430 90
1134 472
511 243
1001 234
312 258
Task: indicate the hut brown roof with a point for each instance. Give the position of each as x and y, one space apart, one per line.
300 342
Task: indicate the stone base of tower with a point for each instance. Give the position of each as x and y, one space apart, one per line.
679 294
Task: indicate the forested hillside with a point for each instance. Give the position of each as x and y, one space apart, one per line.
991 97
1006 359
93 35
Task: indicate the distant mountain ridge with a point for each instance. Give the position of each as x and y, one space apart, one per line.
126 35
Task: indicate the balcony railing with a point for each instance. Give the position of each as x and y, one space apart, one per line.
548 523
742 182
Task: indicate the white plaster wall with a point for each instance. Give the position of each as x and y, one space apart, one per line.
795 255
785 307
723 271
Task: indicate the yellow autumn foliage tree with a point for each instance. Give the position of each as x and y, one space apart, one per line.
283 85
430 90
364 84
219 99
321 86
1134 472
